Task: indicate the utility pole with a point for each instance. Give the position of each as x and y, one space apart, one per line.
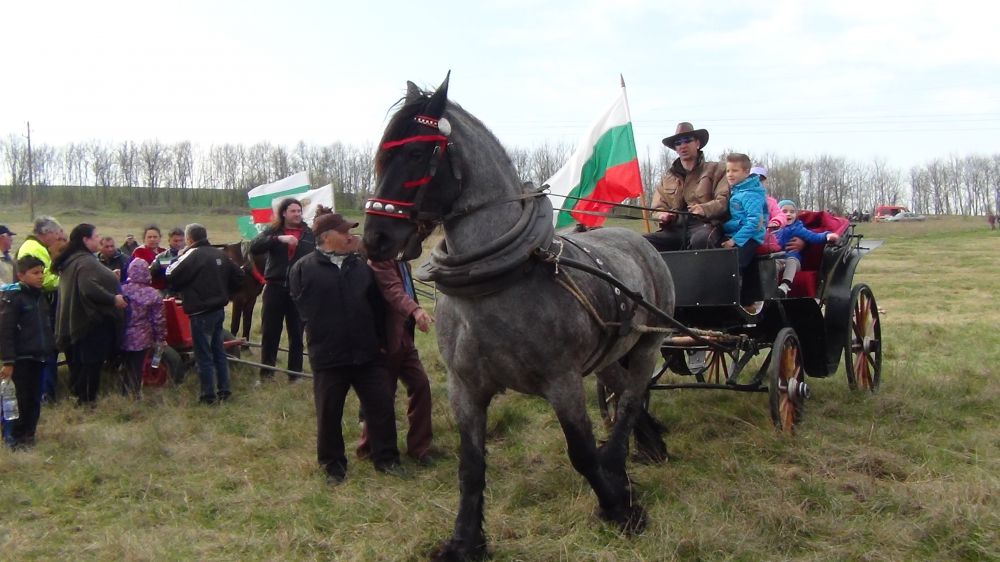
31 178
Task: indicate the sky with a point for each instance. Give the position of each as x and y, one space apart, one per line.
861 79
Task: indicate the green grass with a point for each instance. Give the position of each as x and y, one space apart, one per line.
910 473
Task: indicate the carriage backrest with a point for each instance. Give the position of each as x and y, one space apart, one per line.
820 221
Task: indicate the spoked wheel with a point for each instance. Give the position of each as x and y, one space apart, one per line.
786 387
170 371
863 351
706 365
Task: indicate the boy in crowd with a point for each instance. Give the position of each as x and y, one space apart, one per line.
795 228
26 342
747 204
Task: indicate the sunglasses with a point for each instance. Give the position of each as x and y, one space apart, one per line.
683 140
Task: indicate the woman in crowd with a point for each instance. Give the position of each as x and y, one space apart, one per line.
149 250
90 314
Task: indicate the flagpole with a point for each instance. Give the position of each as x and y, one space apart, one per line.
642 193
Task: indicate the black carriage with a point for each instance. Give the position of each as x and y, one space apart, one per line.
825 317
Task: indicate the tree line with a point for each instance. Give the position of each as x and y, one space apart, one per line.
157 171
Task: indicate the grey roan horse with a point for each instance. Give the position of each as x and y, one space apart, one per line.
511 316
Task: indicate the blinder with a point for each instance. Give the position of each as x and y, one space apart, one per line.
443 149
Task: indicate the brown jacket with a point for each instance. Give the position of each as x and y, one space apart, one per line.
705 184
400 306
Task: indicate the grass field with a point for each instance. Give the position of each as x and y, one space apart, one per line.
910 473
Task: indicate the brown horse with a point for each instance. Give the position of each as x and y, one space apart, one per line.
253 283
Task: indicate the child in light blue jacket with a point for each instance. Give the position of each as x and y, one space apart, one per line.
747 209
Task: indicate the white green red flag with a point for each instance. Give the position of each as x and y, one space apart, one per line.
602 172
264 198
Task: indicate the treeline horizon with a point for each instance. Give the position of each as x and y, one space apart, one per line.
130 174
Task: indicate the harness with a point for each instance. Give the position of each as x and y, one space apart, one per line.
500 263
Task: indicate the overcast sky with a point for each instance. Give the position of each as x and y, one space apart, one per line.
906 82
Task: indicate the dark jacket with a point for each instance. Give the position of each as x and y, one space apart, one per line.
87 292
278 264
117 261
204 276
25 328
342 309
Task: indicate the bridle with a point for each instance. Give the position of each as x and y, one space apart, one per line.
443 148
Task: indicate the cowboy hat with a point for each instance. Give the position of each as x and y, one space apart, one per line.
685 129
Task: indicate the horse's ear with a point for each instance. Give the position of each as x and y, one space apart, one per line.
412 91
438 101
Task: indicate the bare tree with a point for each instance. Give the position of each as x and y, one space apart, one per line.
101 164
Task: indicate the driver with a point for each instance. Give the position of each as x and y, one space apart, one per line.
694 186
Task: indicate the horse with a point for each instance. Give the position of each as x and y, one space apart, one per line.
245 298
510 313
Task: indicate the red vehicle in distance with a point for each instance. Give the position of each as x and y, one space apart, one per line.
886 212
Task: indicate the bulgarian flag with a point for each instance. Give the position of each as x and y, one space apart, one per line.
602 172
264 198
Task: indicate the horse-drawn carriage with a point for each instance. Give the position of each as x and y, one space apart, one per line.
824 317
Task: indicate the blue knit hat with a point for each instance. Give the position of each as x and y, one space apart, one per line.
784 202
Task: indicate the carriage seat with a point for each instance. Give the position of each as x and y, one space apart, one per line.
806 283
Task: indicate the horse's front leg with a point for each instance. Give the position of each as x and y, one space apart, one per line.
610 486
468 541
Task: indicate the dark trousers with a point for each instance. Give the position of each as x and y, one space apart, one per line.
405 366
50 379
700 235
278 307
330 388
210 354
27 379
135 362
86 357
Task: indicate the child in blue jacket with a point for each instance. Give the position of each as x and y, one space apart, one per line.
747 209
26 341
795 228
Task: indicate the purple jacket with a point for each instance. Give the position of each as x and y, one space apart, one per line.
145 325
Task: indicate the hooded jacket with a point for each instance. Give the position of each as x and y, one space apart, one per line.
747 212
25 328
145 325
87 292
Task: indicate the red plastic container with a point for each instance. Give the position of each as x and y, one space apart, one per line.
178 325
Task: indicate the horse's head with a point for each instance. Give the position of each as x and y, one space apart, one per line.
418 179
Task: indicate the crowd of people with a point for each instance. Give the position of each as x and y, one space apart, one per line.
92 300
85 297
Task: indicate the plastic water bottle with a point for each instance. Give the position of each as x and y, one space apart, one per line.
157 354
8 400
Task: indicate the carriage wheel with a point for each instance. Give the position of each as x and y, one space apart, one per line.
787 388
707 365
863 352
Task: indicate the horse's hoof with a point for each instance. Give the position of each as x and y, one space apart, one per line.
631 520
455 551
